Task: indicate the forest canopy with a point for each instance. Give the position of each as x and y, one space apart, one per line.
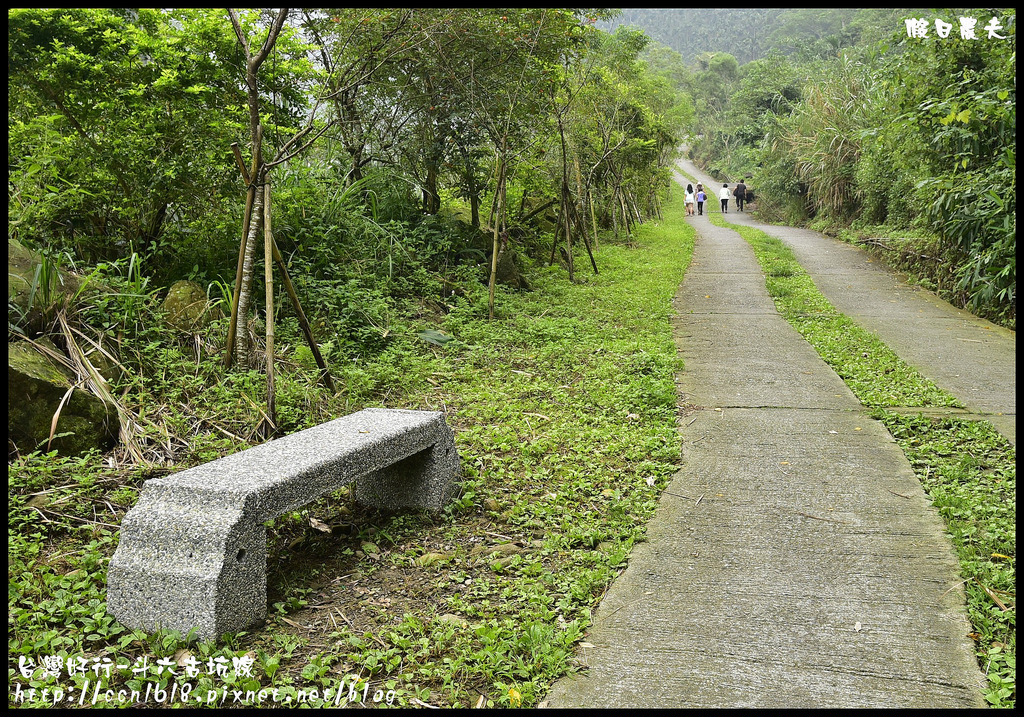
425 142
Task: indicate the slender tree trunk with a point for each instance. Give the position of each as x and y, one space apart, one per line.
631 203
498 213
471 187
431 199
567 206
253 61
581 224
303 321
250 196
268 275
593 218
352 136
474 208
558 235
568 240
614 212
625 213
245 286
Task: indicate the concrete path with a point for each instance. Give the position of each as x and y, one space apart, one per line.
795 560
971 358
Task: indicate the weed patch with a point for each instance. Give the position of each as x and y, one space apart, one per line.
564 413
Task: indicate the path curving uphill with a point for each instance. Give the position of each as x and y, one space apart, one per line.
969 357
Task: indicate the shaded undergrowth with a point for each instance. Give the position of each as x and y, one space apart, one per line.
564 411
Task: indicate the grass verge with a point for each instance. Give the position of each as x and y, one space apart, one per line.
564 410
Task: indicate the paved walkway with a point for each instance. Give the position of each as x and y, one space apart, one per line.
795 560
971 358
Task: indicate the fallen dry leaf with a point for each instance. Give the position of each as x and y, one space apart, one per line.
995 598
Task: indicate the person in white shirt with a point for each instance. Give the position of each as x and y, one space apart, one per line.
724 195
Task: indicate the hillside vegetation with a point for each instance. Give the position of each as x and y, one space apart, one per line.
844 121
466 210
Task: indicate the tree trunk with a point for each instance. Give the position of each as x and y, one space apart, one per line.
250 198
558 234
625 213
474 208
614 212
245 287
497 213
431 199
568 240
268 275
303 322
582 227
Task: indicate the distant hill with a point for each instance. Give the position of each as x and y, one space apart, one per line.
748 33
742 32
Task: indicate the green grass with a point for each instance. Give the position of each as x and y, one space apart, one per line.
564 410
966 467
873 371
970 472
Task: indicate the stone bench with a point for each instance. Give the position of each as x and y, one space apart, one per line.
193 550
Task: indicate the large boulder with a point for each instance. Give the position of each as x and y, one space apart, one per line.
187 308
36 386
36 286
507 271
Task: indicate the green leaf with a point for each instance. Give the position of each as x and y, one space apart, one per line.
435 337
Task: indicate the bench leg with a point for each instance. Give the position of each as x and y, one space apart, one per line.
188 564
425 481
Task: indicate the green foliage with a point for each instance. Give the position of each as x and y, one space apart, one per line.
624 120
967 193
874 373
576 452
863 125
970 472
118 125
742 32
824 133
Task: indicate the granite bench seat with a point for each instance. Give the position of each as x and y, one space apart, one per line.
193 550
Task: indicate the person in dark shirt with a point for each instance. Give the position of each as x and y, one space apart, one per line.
740 193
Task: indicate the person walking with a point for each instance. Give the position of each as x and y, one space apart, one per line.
701 198
689 200
740 192
724 195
